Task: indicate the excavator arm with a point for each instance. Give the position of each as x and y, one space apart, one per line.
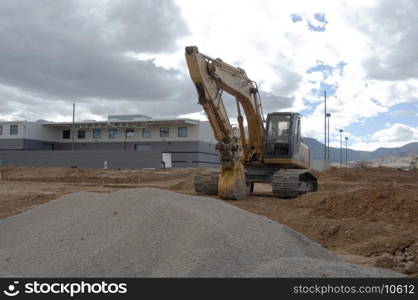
211 77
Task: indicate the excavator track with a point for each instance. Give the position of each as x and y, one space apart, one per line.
290 183
206 183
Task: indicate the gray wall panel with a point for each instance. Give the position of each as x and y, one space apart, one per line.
26 144
207 147
209 157
11 144
39 145
82 159
183 154
156 146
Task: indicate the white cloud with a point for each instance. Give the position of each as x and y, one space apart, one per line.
276 52
394 135
397 133
273 48
196 116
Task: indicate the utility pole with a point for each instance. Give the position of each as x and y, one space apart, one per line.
341 148
325 125
328 117
346 161
126 137
73 128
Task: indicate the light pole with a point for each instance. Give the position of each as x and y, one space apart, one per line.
341 148
72 129
346 162
328 116
325 125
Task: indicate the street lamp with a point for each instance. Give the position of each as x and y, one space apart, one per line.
325 125
328 116
73 128
346 139
341 148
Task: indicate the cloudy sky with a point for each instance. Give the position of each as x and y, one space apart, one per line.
127 57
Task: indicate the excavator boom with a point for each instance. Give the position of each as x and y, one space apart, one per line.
211 77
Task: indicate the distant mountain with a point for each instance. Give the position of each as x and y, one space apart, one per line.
317 152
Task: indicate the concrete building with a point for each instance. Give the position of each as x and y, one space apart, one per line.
124 141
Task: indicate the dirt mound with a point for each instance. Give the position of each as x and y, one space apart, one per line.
380 174
376 219
388 203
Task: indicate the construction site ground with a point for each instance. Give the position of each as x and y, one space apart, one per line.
367 216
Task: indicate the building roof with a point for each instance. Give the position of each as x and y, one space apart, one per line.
123 123
14 122
129 117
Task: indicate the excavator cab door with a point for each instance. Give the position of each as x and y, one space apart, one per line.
282 135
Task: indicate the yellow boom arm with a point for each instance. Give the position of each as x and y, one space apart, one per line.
211 77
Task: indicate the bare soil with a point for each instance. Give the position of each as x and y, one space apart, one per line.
367 216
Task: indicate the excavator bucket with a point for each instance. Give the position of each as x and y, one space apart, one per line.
232 184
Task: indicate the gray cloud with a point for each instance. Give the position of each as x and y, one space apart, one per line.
22 106
392 28
281 95
54 53
404 113
272 102
289 78
146 26
75 51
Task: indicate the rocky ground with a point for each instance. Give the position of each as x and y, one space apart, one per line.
367 216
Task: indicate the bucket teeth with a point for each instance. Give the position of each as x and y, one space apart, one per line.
228 184
232 183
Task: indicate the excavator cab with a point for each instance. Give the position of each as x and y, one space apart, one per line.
282 136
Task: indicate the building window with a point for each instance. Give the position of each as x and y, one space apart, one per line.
164 132
97 133
130 132
1 129
66 134
113 133
146 132
81 134
182 131
13 130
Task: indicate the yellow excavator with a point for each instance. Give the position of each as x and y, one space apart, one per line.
273 153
